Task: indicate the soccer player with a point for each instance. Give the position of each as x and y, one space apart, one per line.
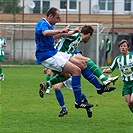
70 44
60 62
2 45
125 64
48 77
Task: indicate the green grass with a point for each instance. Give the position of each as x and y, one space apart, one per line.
23 111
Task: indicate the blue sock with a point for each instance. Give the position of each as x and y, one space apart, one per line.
91 78
60 98
83 96
77 88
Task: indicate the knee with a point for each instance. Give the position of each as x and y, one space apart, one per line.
83 64
130 104
76 71
56 87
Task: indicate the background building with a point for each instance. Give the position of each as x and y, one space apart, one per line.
113 18
74 6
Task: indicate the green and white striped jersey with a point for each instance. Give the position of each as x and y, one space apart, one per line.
2 42
69 44
125 65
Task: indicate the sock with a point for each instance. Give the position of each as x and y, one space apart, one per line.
48 77
83 96
60 98
95 70
54 80
77 88
131 109
0 70
91 78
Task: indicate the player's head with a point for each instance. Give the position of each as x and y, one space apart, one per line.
53 15
124 47
86 32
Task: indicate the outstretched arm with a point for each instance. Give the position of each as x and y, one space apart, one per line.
67 34
56 32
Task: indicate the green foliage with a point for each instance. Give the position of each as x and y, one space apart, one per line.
23 111
10 6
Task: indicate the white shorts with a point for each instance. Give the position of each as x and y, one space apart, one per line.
57 62
68 84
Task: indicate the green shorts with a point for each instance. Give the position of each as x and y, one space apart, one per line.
1 58
127 88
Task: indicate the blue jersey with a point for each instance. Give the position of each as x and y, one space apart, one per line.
44 44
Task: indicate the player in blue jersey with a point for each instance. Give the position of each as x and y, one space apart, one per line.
125 64
60 62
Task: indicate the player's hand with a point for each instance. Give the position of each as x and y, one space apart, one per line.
66 29
104 71
77 29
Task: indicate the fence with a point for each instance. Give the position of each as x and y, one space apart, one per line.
21 44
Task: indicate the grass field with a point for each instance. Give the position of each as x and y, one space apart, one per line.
23 111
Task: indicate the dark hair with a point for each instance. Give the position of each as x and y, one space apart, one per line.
87 29
52 11
123 41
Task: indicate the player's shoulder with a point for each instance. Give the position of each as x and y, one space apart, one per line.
131 53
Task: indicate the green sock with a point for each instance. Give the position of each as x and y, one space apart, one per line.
131 109
54 80
48 77
0 70
96 70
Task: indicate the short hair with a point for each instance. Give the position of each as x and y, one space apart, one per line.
123 41
52 11
87 29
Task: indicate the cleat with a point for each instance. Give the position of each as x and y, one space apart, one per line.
42 89
107 82
106 89
113 79
2 77
63 112
110 79
83 104
89 112
48 91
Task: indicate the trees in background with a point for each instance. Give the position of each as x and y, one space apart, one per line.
10 6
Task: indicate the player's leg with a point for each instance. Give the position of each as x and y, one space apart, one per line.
54 80
60 63
60 99
91 78
48 77
127 92
1 72
131 102
68 84
128 101
95 69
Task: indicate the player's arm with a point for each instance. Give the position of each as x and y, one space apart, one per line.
56 33
64 34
